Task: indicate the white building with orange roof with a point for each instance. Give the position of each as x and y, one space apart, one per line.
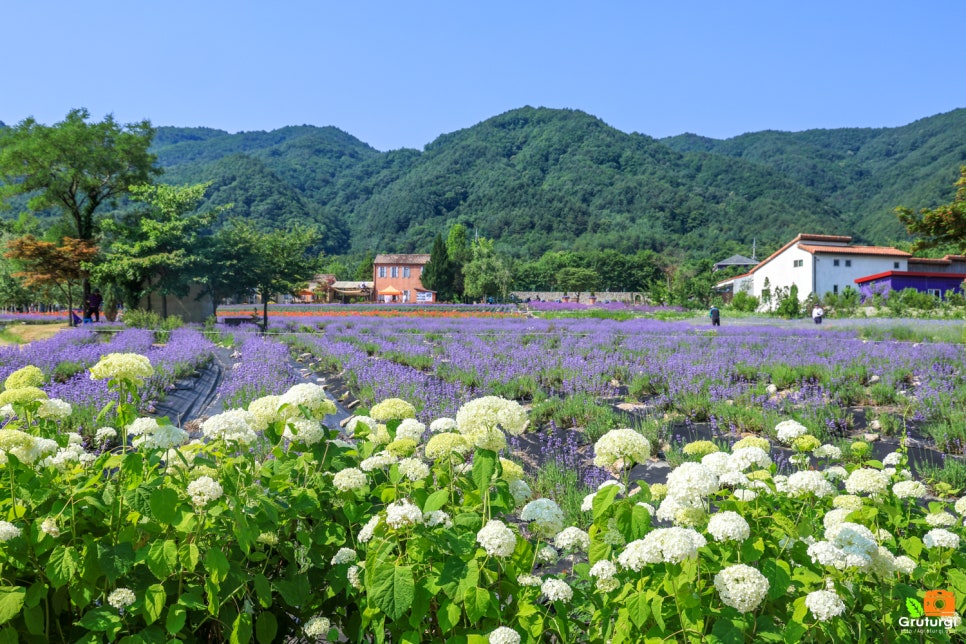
816 264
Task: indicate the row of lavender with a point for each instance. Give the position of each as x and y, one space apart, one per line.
440 364
66 357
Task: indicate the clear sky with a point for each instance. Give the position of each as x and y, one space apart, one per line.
398 74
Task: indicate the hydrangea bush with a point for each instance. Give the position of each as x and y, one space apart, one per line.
273 527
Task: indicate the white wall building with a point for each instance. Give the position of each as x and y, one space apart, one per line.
817 264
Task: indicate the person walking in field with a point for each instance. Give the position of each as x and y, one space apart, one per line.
94 306
818 313
715 316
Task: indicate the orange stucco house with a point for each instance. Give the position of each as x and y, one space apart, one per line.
396 279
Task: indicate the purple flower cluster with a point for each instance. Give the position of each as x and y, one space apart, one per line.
264 368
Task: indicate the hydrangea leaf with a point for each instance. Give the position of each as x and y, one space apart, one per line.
914 607
11 601
393 589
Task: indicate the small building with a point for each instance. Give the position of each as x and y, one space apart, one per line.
816 264
396 278
929 275
347 289
736 261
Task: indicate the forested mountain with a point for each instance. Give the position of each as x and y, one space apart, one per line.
862 173
536 179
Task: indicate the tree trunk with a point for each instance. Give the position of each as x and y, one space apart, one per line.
264 313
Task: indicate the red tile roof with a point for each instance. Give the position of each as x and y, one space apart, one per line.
856 250
419 258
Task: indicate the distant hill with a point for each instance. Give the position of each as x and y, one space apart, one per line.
537 179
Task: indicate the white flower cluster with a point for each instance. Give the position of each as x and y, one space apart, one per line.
369 529
410 428
940 538
669 545
317 627
545 517
624 445
49 526
691 480
264 412
392 409
73 453
866 480
960 506
497 539
349 479
788 430
827 451
158 436
741 587
503 635
232 426
437 518
892 459
105 434
8 531
54 409
728 526
122 366
824 604
344 556
308 395
204 490
121 598
572 539
403 514
808 482
940 519
413 469
846 545
909 490
492 411
557 590
442 425
377 461
520 491
445 445
605 573
27 448
354 575
743 458
307 431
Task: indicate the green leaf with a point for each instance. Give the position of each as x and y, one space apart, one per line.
154 600
638 609
778 576
393 588
62 565
914 607
477 603
484 466
164 505
263 590
162 558
603 501
436 501
448 615
266 627
177 616
295 590
657 605
100 619
727 631
216 563
115 561
11 601
189 556
241 630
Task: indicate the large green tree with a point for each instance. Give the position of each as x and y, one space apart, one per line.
159 247
248 260
940 226
486 275
439 274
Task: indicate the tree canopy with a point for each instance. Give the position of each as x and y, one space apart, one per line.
942 225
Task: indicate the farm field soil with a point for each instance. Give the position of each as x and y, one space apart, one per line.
27 333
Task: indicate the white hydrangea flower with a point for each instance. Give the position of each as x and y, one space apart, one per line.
349 479
105 434
867 481
497 539
883 563
402 514
835 473
446 444
344 556
670 545
547 554
824 604
544 515
121 598
377 461
827 451
587 504
142 426
413 469
317 627
308 395
308 431
572 538
481 415
49 526
360 423
603 569
437 518
734 479
233 426
692 480
892 459
122 366
825 554
624 445
718 462
392 409
960 506
909 490
264 412
745 495
503 635
741 587
728 526
835 517
905 565
849 502
520 491
789 430
367 531
442 425
161 437
557 590
203 490
8 531
54 409
354 576
529 580
745 457
809 482
410 428
940 519
27 448
940 538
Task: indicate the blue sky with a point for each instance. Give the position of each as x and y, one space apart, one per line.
399 74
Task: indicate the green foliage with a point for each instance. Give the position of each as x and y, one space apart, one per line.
789 306
940 226
440 273
744 302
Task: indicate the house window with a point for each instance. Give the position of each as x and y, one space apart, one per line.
405 296
835 288
798 262
405 271
895 264
848 262
835 262
935 292
395 271
382 271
